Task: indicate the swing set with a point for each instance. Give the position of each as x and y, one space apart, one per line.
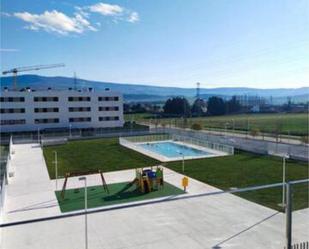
81 173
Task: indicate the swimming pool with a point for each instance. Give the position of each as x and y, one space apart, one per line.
167 148
172 150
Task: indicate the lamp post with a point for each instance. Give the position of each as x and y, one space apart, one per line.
70 130
56 168
183 161
38 135
83 178
283 178
225 126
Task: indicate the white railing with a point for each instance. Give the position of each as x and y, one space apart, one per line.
148 138
204 143
189 140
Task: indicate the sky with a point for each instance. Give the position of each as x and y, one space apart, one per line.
219 43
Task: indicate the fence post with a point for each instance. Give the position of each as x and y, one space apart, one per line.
288 213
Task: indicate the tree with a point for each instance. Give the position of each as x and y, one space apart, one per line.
199 107
233 105
177 106
216 106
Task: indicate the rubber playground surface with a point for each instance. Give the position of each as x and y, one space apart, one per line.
119 193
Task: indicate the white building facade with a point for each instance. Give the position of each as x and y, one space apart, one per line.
30 110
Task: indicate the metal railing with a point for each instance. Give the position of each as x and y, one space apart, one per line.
148 138
204 143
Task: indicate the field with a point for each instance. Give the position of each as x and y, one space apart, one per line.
293 124
240 170
247 169
103 154
97 197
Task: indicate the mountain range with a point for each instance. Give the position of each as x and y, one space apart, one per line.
138 92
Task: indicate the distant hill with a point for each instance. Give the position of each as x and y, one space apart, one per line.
136 92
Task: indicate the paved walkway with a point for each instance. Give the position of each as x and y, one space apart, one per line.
29 192
217 221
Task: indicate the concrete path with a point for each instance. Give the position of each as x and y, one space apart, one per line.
29 192
216 221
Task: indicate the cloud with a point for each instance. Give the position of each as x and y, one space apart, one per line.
118 12
106 9
60 23
56 22
5 14
9 50
133 17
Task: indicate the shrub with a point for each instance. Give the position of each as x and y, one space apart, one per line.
255 132
305 139
196 126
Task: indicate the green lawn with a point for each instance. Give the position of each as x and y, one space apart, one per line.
247 169
293 124
74 198
103 154
4 150
239 170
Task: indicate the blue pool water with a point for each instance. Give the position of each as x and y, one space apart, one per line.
170 149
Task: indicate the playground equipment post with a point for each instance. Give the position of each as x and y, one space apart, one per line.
86 225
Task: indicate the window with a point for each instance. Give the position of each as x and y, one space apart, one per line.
51 109
109 118
108 108
13 122
79 99
45 99
116 98
46 120
12 110
12 99
82 119
79 109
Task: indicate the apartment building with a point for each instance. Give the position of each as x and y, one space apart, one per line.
29 110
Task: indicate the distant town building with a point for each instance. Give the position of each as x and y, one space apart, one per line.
250 100
28 110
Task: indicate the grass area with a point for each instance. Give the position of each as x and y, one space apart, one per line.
4 150
289 123
97 197
103 154
247 169
239 170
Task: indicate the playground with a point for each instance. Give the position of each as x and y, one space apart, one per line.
119 193
147 184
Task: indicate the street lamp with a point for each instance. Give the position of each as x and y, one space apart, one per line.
70 130
183 161
38 135
226 125
83 178
56 168
284 157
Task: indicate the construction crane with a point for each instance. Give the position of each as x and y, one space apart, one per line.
16 70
